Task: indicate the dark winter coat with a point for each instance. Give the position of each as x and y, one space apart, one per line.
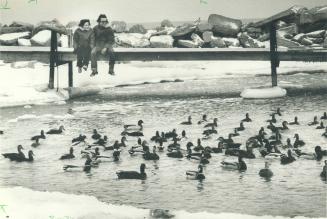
103 36
83 39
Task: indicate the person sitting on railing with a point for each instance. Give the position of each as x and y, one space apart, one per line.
104 40
83 43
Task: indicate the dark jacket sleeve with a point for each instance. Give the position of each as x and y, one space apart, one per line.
75 39
92 40
110 37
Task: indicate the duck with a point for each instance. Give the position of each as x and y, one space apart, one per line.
278 112
298 142
188 122
229 143
80 138
324 116
1 132
86 168
95 135
156 137
15 156
133 134
241 128
161 147
199 146
214 123
310 156
133 174
321 126
266 172
248 153
240 165
323 173
56 131
138 127
325 133
122 142
273 156
139 144
204 119
284 126
210 131
68 156
295 122
287 159
235 133
175 154
196 175
101 141
314 122
30 156
151 156
171 134
273 119
174 145
272 127
218 149
288 144
247 118
319 151
38 136
36 143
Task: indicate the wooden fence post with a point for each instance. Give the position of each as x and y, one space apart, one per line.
274 62
53 58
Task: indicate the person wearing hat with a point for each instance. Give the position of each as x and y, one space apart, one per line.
103 43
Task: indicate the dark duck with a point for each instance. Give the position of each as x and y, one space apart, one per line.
298 142
95 135
266 172
247 118
235 133
86 168
151 156
218 149
311 156
174 145
248 153
138 127
156 138
323 173
188 122
240 165
288 144
287 159
295 122
199 146
314 122
209 132
273 119
324 116
272 127
321 126
101 141
196 175
36 143
204 119
15 156
133 174
284 126
214 123
278 112
38 136
175 154
79 139
325 133
68 156
171 134
56 131
241 128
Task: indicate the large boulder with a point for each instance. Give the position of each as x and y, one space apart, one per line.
253 32
283 42
203 27
162 41
183 31
54 25
119 26
207 36
24 42
306 42
135 40
10 39
187 44
224 26
217 42
166 23
248 42
316 34
316 40
298 37
137 28
231 42
264 37
43 38
197 39
290 30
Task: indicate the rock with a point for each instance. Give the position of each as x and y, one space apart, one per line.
247 42
163 41
166 23
6 29
119 26
306 41
316 40
203 27
291 30
197 39
231 42
54 25
281 41
42 38
319 13
316 34
163 31
264 37
217 42
280 24
187 44
135 40
298 37
10 39
137 28
24 42
253 32
183 31
224 26
207 36
321 25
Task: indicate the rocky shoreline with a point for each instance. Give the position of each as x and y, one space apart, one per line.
296 27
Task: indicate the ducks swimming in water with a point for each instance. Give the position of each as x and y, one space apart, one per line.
15 156
209 132
86 168
204 119
138 127
56 131
324 116
295 122
95 135
247 118
151 156
240 165
298 142
266 172
196 175
273 119
241 128
321 126
188 122
284 126
314 122
214 123
278 112
287 159
38 136
79 139
68 156
133 174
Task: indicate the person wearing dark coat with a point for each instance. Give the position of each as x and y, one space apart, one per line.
104 40
83 44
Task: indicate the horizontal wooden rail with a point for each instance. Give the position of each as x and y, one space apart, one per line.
17 53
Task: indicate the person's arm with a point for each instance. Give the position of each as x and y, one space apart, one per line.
92 40
75 39
110 37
